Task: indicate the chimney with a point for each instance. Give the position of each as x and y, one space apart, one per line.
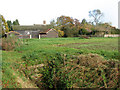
44 22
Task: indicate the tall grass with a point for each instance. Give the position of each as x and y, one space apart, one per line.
10 43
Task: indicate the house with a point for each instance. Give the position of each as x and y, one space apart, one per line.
13 32
50 33
36 31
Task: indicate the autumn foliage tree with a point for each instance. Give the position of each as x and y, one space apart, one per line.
69 25
4 25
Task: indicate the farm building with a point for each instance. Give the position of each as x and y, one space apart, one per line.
13 32
36 31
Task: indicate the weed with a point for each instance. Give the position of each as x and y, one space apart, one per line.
10 43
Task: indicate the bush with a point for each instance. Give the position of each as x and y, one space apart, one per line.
54 75
82 71
83 31
10 43
63 71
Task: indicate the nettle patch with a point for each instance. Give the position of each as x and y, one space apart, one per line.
66 71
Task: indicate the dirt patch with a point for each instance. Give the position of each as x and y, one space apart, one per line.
24 84
19 51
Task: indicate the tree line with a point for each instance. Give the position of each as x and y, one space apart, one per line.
10 24
70 27
6 26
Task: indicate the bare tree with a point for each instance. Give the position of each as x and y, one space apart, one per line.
96 15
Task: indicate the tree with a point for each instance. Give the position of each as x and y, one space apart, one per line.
0 26
69 25
0 22
52 23
77 24
83 31
64 20
84 21
16 22
106 27
4 24
96 15
9 24
60 33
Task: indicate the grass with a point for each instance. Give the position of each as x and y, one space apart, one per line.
45 48
107 47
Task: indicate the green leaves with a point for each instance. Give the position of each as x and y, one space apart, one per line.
54 75
16 22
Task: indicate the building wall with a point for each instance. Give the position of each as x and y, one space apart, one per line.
22 32
34 33
43 35
52 34
111 35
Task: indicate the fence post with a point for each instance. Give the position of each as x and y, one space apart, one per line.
39 36
30 37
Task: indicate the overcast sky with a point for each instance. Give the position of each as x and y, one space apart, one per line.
30 12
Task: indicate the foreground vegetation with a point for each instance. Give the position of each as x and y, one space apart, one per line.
63 62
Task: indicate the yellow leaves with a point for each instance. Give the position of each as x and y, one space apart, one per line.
5 28
60 33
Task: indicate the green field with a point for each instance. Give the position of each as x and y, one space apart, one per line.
36 52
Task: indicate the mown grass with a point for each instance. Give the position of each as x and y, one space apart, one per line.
107 47
43 49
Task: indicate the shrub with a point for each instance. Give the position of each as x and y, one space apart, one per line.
10 43
54 75
60 33
84 31
65 71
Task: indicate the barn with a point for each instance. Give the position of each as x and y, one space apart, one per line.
36 31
